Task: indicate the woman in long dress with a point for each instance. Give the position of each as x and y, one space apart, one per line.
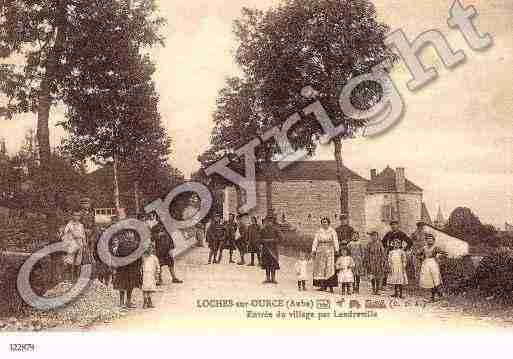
270 238
128 277
430 277
324 248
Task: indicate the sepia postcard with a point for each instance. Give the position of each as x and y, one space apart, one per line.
298 167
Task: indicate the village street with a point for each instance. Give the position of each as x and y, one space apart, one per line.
183 308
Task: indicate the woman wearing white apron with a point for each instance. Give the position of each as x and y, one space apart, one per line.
430 277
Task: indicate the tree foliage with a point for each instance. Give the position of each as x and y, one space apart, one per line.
87 55
320 44
463 223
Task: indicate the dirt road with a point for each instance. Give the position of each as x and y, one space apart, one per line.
231 299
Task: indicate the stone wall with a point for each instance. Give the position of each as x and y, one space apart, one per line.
23 234
407 209
356 198
304 203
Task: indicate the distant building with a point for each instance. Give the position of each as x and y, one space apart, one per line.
306 191
424 216
440 220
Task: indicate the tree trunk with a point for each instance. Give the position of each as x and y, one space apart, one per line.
342 180
43 136
137 200
43 128
117 202
269 189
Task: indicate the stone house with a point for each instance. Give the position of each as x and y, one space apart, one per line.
304 192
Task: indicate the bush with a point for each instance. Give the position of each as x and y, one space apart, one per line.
494 275
457 273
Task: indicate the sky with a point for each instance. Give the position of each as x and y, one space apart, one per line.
455 139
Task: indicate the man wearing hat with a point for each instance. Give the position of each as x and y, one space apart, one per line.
230 229
215 234
242 238
344 231
270 237
395 234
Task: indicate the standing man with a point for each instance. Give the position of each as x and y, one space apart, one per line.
270 237
344 232
419 242
230 228
215 234
242 238
254 240
395 234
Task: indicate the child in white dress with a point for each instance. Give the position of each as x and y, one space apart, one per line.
301 270
345 265
150 274
397 266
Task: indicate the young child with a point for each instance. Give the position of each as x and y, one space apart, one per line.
301 270
357 253
430 277
345 265
397 268
150 274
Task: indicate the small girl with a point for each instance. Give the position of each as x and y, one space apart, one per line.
150 274
357 253
430 277
397 266
301 270
345 265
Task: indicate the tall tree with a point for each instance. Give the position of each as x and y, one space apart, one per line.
239 118
317 43
56 40
118 122
463 223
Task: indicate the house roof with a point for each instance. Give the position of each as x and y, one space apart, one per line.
385 182
305 170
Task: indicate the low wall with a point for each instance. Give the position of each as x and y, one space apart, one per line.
41 281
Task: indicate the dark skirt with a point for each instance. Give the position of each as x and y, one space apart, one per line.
166 260
269 260
128 277
331 282
228 244
326 283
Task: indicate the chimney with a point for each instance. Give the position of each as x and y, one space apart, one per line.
400 180
373 173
